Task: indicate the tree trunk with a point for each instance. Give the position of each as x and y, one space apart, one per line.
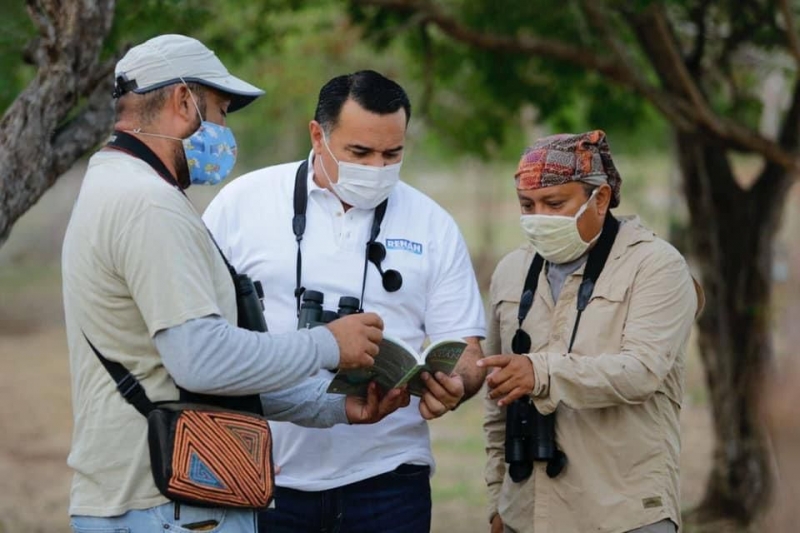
732 235
41 134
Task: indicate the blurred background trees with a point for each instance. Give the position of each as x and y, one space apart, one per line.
711 86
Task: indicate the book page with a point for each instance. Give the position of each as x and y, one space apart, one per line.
440 356
395 364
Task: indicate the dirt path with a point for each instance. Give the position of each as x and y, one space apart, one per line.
35 429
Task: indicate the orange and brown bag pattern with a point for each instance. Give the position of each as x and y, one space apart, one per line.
222 457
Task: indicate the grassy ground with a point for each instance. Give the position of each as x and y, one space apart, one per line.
35 415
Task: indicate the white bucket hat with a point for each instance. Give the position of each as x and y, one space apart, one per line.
169 59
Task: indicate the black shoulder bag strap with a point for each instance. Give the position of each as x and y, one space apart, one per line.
127 384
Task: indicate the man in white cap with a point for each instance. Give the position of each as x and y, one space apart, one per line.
145 283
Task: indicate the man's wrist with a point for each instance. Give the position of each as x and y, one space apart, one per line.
327 347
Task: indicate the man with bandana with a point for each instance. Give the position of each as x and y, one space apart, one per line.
591 319
341 224
143 280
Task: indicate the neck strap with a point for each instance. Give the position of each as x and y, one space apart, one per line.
299 228
377 220
126 142
594 266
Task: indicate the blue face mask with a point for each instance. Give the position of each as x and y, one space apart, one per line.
210 153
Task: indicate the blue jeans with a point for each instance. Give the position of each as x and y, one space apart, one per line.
395 502
169 518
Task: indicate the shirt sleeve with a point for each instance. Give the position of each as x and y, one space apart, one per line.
166 258
660 315
306 404
455 308
211 356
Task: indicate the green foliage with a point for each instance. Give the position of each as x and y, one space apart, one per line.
478 94
16 30
465 100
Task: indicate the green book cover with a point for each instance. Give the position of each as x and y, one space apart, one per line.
397 364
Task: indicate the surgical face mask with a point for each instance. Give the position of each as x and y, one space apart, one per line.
362 186
210 151
556 238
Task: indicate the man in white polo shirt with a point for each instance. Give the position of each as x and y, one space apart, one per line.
306 226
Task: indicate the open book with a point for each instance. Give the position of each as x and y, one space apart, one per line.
397 364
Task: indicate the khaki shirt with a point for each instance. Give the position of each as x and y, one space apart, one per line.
617 395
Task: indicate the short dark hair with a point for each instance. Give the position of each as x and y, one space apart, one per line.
147 106
369 89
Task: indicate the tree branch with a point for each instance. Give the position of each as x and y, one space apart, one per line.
698 15
671 107
46 43
683 104
791 33
655 32
428 67
86 130
596 14
32 156
774 180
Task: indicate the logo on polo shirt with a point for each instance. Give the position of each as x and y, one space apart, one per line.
403 244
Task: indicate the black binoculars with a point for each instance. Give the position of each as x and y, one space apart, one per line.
531 436
312 314
249 303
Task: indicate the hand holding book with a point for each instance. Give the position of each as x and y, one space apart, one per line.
398 364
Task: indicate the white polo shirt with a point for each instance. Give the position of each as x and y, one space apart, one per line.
252 221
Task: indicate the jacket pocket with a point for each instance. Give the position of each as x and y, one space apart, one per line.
507 316
603 321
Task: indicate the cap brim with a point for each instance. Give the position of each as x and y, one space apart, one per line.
241 92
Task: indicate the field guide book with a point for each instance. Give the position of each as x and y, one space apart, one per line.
398 364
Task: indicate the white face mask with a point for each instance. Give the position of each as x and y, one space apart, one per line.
556 238
363 186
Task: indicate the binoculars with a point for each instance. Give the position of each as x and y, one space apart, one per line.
312 314
249 303
531 436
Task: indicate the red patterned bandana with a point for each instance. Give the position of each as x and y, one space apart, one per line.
560 159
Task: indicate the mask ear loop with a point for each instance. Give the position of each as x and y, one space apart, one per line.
585 205
583 209
328 148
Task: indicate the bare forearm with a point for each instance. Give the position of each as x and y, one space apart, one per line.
471 374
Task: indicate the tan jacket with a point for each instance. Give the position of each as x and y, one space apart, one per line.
617 396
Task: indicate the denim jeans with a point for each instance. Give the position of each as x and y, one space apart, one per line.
395 502
665 526
163 518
